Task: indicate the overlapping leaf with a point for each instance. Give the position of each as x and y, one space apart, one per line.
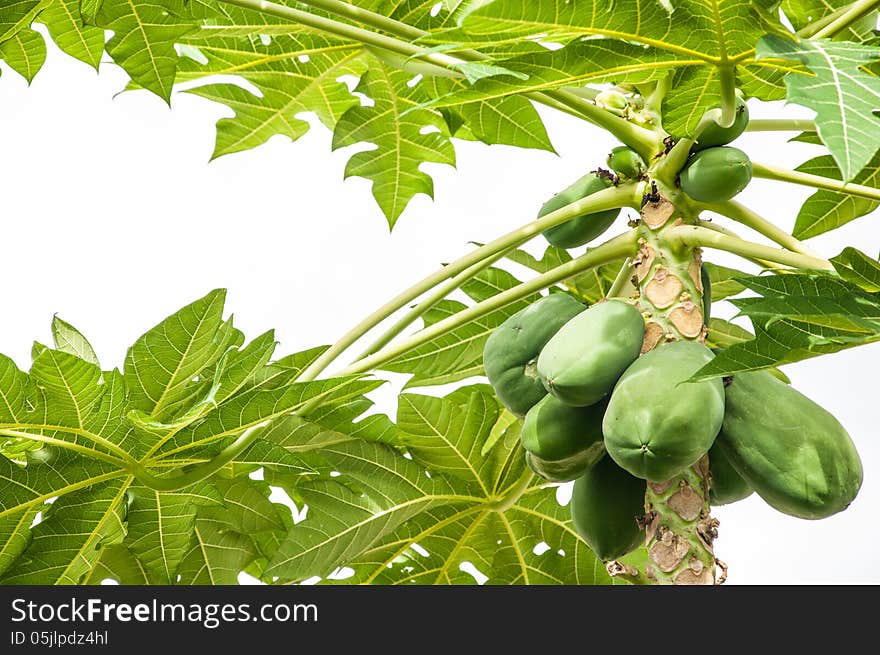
798 316
696 38
412 505
826 210
844 96
69 31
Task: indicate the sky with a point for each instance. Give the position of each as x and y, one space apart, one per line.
113 218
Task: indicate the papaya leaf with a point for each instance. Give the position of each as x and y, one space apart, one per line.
843 96
696 38
797 316
293 73
25 52
66 543
418 514
826 210
71 34
144 34
803 13
856 267
400 143
17 15
723 280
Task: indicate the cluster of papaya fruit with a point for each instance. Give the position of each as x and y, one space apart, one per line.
598 411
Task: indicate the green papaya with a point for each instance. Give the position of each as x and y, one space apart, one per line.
606 503
565 441
716 174
727 485
714 135
626 162
511 351
707 294
580 229
657 424
582 361
793 452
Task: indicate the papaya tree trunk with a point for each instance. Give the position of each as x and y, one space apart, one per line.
679 529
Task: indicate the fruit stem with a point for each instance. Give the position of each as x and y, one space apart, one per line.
616 248
770 172
624 195
745 216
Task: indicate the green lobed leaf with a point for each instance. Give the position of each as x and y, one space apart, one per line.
416 516
70 32
856 267
70 340
144 34
723 280
797 316
843 96
24 52
826 210
401 143
68 541
17 15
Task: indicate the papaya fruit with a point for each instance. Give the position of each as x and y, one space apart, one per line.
707 294
563 440
580 229
511 351
794 453
716 174
606 503
714 135
626 162
727 486
582 361
656 423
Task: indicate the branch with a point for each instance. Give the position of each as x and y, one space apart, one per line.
437 294
624 275
781 125
762 263
616 248
853 13
625 195
770 172
699 237
745 216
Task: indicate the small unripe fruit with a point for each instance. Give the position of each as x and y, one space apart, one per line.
626 162
716 174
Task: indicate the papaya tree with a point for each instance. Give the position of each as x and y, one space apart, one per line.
603 368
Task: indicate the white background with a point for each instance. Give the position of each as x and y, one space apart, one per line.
112 217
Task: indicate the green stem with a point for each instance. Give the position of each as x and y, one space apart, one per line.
745 216
623 277
770 172
437 294
763 263
615 248
654 102
200 471
781 125
853 13
625 195
697 236
513 493
367 17
348 31
727 78
67 445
